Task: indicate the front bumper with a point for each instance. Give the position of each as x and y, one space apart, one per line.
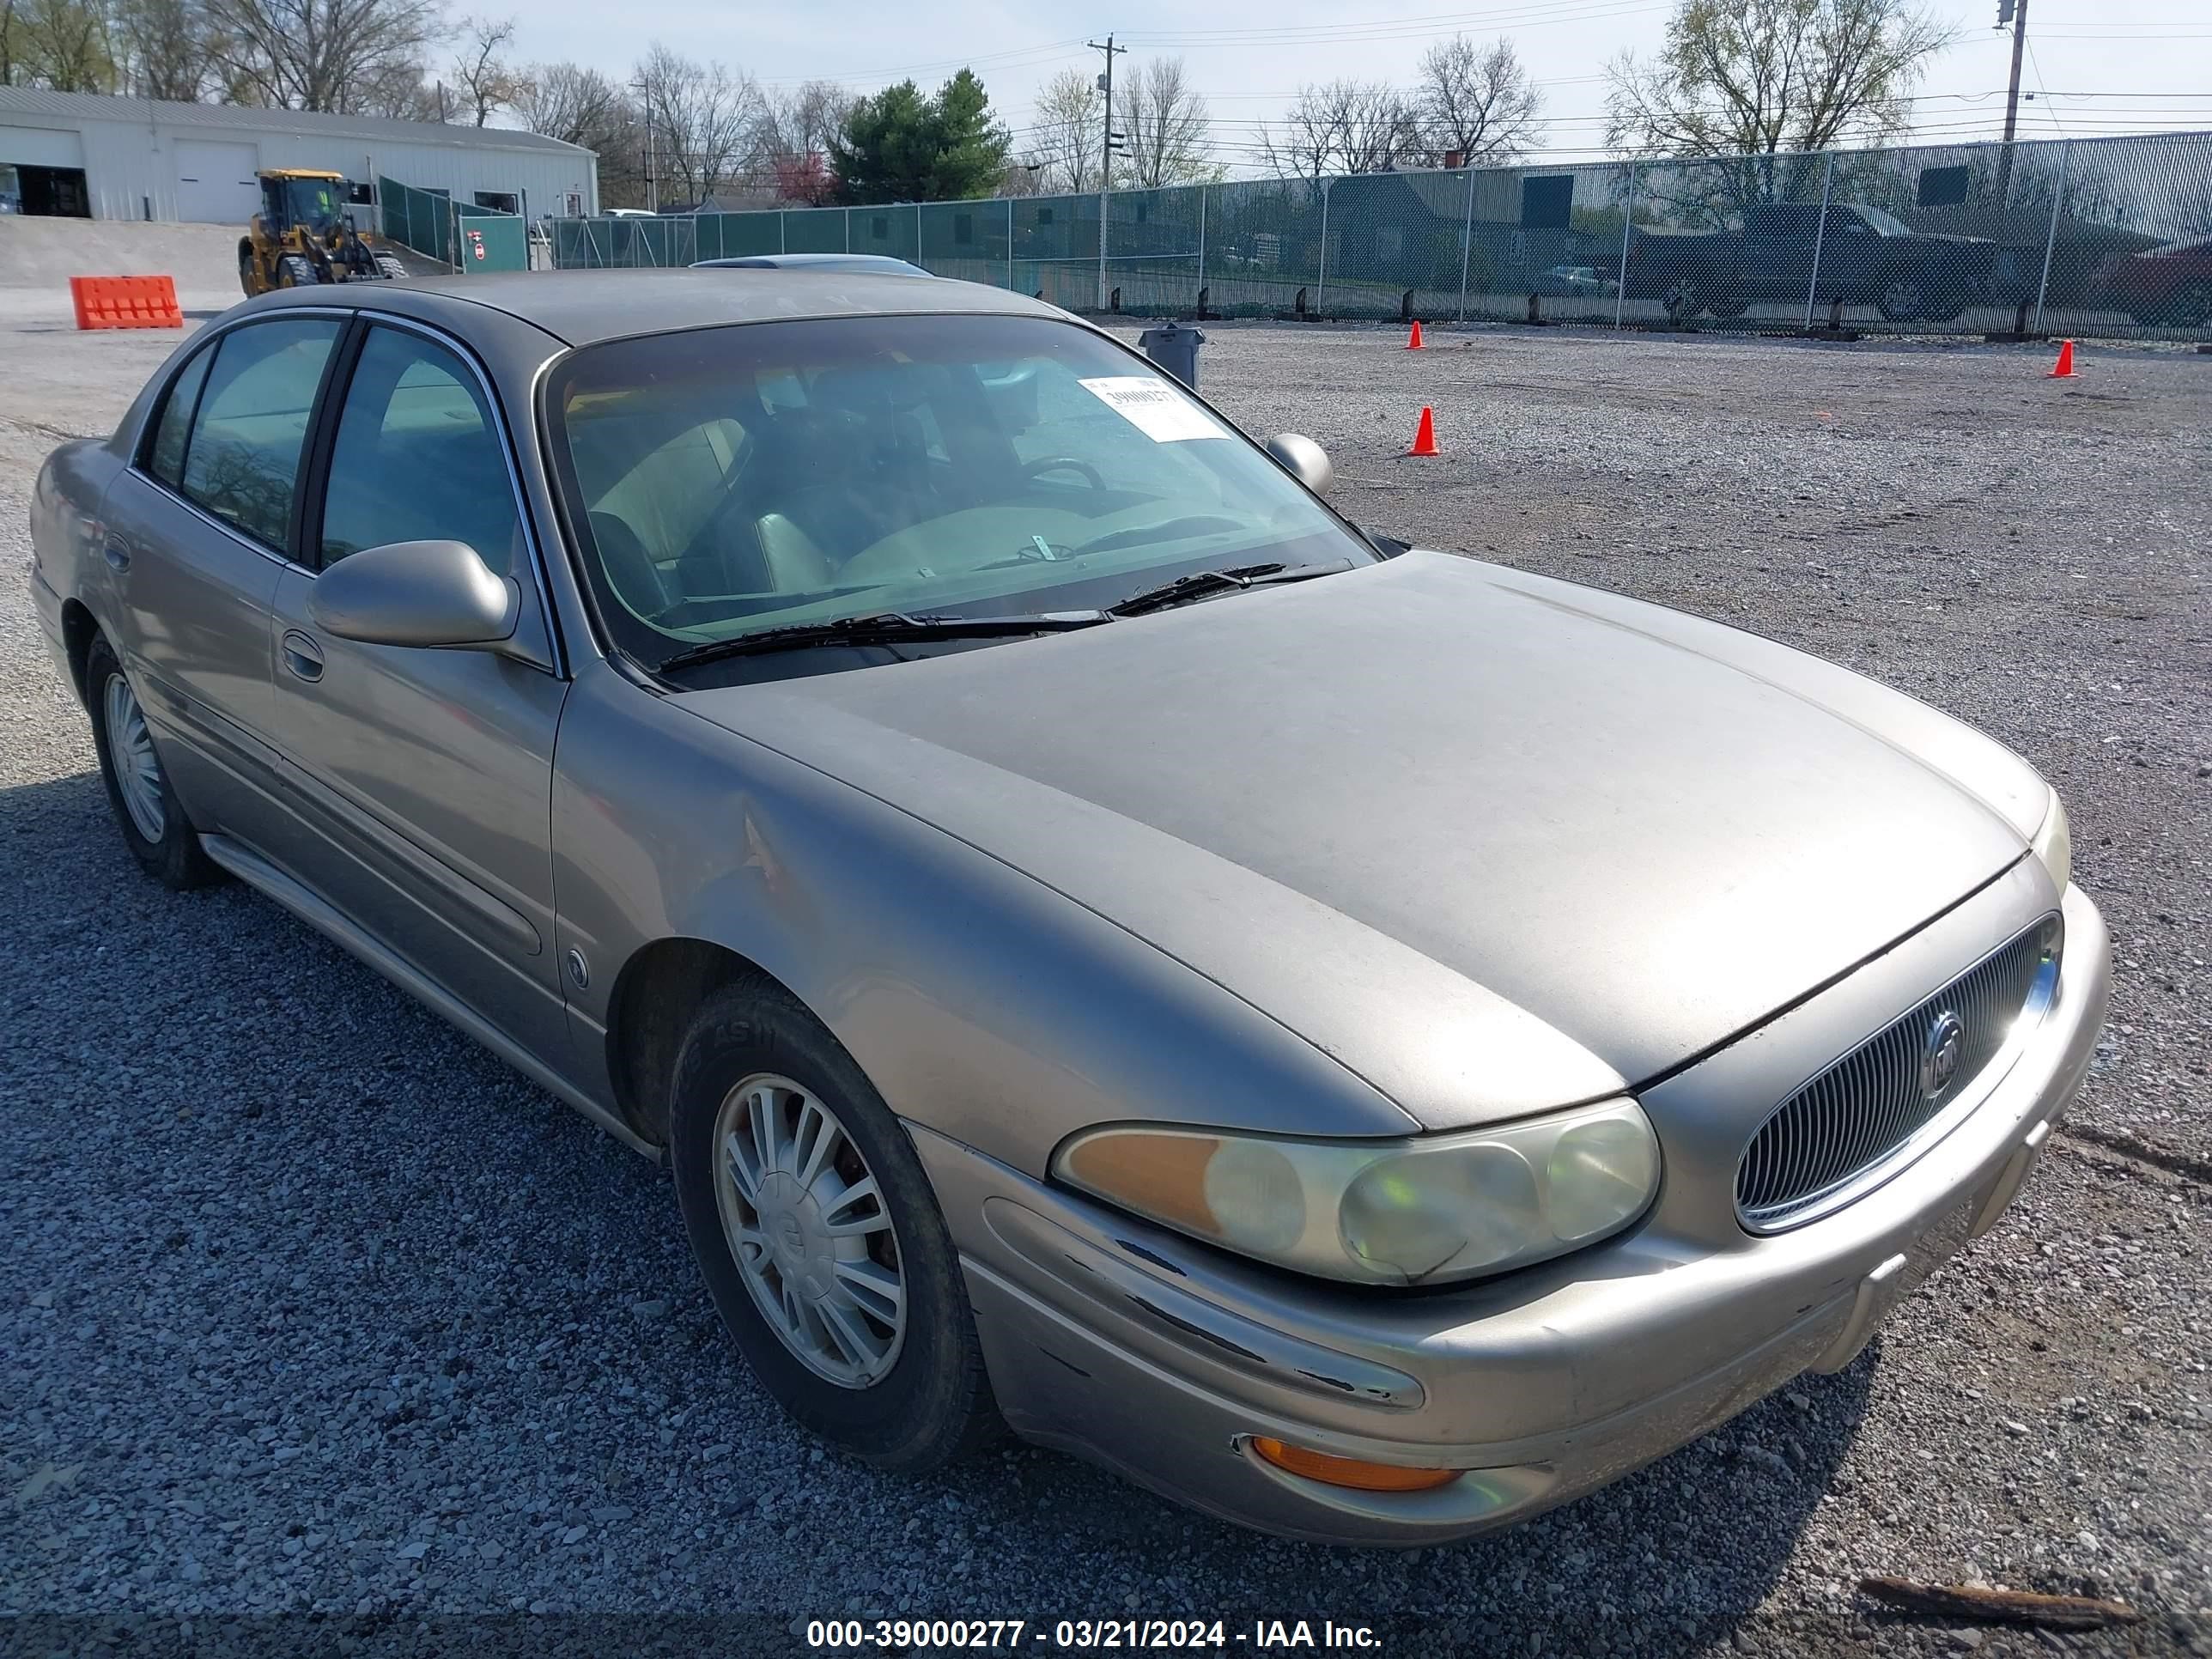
1133 1348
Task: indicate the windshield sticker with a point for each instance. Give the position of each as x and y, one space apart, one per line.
1154 408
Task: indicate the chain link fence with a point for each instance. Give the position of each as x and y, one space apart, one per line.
2097 236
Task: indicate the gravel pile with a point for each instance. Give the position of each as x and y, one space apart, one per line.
313 1307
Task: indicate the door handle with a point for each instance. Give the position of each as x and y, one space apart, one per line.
117 552
302 655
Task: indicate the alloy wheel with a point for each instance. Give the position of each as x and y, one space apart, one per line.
130 752
806 1225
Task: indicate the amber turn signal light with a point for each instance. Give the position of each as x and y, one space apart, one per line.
1351 1471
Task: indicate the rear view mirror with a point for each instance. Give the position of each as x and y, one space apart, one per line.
415 593
1011 392
1303 459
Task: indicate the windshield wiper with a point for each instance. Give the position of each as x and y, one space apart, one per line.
1199 583
884 628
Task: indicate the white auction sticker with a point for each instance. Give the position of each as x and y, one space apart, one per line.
1154 408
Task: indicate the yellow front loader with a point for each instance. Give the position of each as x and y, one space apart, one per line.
301 236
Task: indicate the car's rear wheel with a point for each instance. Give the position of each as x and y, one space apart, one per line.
820 1237
154 827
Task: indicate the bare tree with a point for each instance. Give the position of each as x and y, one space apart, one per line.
580 106
61 44
568 102
1344 126
1754 77
1069 118
402 92
348 57
484 80
1306 144
165 49
700 118
1477 103
803 121
1165 126
1381 130
791 143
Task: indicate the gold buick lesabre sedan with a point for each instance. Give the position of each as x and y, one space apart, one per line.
1369 1043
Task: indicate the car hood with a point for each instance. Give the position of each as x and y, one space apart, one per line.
1495 842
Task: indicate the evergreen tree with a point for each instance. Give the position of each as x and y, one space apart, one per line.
899 146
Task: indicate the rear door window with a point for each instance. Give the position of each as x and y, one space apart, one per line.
242 460
164 458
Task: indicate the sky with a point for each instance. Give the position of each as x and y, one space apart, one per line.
2093 66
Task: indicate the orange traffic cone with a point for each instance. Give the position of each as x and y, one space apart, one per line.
1415 344
2065 370
1424 435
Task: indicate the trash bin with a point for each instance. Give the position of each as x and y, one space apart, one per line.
1175 348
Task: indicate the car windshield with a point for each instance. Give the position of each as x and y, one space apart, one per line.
314 203
725 481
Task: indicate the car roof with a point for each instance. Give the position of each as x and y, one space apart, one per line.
580 307
884 262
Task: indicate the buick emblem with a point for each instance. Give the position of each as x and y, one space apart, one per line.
1940 1052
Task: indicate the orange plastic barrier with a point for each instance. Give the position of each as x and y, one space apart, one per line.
125 302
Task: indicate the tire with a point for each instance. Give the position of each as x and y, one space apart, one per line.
137 788
296 270
1684 300
247 270
390 269
2190 307
1728 306
922 1402
1905 299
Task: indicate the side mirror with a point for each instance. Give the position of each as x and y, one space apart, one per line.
1303 459
418 593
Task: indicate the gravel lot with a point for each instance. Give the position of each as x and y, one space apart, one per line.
314 1306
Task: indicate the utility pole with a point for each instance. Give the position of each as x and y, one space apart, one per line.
2014 12
1106 158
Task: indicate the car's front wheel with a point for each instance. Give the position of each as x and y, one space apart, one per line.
154 827
2191 307
820 1237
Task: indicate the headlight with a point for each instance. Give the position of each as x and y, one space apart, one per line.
2054 844
1414 1212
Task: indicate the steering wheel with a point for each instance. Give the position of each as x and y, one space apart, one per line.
1056 463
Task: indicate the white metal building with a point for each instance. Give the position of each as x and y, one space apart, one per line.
81 154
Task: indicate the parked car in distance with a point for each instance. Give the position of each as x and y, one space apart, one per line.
881 264
2170 284
1369 1043
1864 255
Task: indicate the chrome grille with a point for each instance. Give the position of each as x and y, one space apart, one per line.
1812 1154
